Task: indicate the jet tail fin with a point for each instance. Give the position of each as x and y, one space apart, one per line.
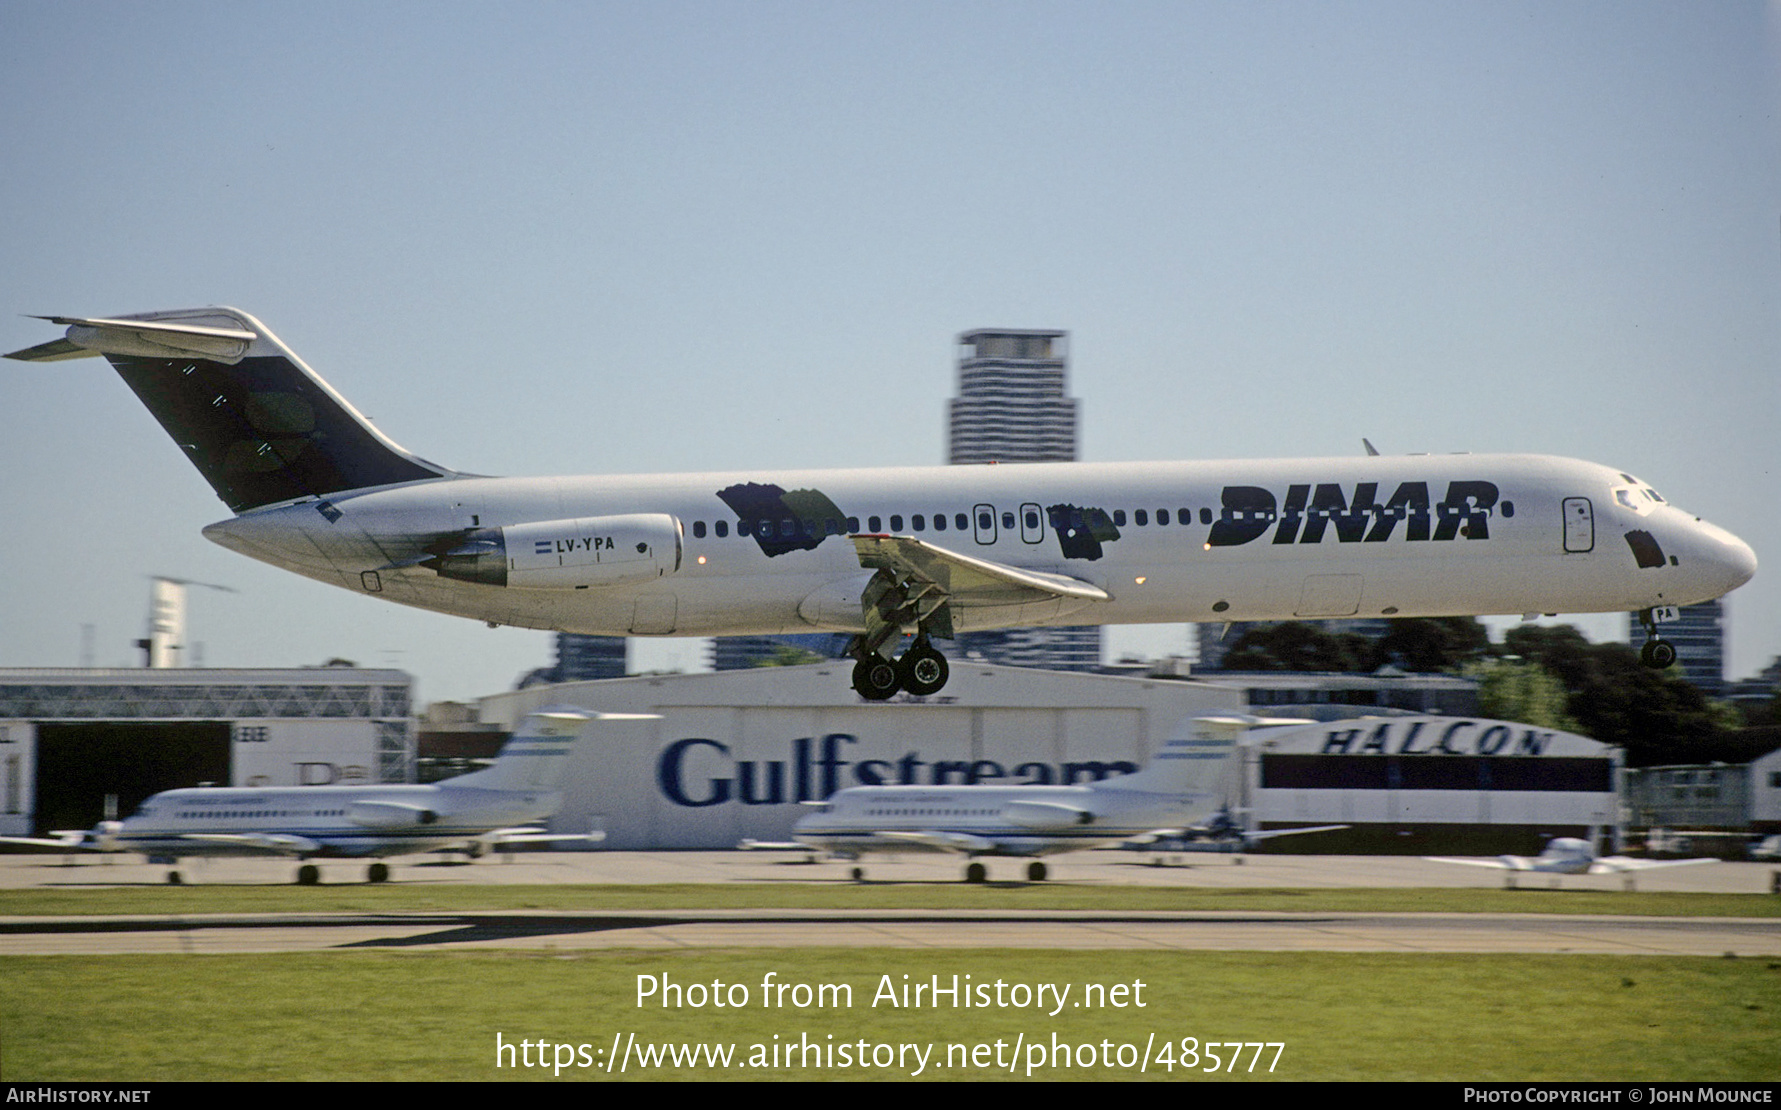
1194 761
538 753
259 425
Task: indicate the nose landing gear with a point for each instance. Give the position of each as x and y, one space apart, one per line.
1657 652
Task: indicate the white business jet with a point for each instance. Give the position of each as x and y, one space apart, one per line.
496 806
888 552
1179 787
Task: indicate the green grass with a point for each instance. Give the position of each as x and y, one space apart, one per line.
435 1016
395 897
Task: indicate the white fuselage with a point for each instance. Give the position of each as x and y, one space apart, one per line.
991 820
1403 536
320 820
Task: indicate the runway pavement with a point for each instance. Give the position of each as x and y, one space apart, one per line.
1082 868
1227 931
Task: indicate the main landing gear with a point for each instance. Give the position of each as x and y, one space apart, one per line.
1657 652
921 671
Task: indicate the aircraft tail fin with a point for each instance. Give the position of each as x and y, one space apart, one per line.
538 753
1196 762
259 425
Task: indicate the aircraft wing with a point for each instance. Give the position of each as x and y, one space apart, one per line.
1269 834
945 841
966 579
1496 863
919 583
62 842
283 843
1614 865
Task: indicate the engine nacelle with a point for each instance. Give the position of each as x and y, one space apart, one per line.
565 554
389 815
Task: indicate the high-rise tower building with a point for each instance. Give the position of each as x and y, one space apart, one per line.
1011 405
1012 408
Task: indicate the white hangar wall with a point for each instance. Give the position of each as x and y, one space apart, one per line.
735 752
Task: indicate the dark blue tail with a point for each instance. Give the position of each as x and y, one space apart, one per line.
259 425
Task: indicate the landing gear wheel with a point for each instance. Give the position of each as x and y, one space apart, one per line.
309 875
378 873
923 670
976 873
858 874
875 678
174 878
1657 654
1036 872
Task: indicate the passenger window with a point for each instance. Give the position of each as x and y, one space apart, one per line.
939 522
1141 518
723 529
896 522
853 524
1032 520
1119 518
1205 516
962 522
698 529
1162 516
920 522
1007 521
1185 516
874 524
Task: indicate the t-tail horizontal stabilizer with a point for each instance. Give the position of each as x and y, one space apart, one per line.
258 424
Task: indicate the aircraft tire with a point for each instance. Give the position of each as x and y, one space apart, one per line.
976 873
174 878
1658 654
309 875
1035 872
858 874
378 873
875 678
923 670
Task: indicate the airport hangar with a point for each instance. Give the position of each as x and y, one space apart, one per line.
70 737
733 754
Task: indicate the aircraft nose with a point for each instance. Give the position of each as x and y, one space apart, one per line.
1731 560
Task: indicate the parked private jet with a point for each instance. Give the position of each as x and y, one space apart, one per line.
1179 787
498 805
890 552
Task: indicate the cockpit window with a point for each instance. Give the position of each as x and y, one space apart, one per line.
1640 499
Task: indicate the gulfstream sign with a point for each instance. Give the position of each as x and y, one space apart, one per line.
697 772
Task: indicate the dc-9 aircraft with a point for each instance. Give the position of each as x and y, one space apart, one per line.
890 552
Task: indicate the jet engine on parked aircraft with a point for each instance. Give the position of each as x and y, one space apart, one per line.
563 554
388 815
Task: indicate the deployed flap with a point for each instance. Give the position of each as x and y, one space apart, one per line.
965 580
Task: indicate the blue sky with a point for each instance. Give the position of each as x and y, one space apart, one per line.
584 238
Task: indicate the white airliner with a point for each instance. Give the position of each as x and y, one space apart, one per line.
889 552
1179 787
497 805
1568 855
